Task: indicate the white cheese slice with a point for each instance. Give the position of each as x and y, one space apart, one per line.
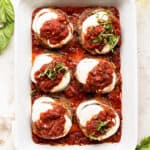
111 86
38 63
92 21
63 83
88 109
43 104
45 59
45 15
65 40
83 69
41 17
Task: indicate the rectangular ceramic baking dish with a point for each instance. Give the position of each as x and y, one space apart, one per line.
22 126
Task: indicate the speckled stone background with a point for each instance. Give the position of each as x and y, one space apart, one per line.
7 80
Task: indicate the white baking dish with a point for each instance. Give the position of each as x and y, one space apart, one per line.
22 132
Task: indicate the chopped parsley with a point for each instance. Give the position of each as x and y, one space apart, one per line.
52 72
102 126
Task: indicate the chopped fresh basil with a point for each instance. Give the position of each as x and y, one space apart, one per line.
6 23
107 36
112 40
113 50
108 26
101 127
52 72
98 39
144 145
91 136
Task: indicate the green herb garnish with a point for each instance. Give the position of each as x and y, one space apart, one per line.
6 23
144 145
107 36
98 39
91 136
52 72
108 26
102 126
33 92
112 40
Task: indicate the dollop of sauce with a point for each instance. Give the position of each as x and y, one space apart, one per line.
100 124
100 77
51 123
106 33
50 75
55 30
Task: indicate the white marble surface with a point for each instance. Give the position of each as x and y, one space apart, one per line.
7 80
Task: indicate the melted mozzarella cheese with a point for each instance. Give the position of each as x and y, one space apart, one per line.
92 20
83 69
64 41
45 59
45 15
38 63
111 86
43 104
41 17
113 130
89 109
63 83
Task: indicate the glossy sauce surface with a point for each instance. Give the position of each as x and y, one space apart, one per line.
51 123
72 53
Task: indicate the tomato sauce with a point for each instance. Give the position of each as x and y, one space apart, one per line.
92 34
46 83
106 118
51 123
97 36
55 30
101 75
75 93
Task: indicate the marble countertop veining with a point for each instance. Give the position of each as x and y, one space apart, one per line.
7 80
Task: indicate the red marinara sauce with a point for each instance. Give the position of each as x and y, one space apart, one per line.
97 36
45 82
106 118
73 52
51 123
101 75
55 30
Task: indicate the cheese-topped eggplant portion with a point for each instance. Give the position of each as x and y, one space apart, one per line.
96 75
53 27
50 73
97 121
51 119
100 31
